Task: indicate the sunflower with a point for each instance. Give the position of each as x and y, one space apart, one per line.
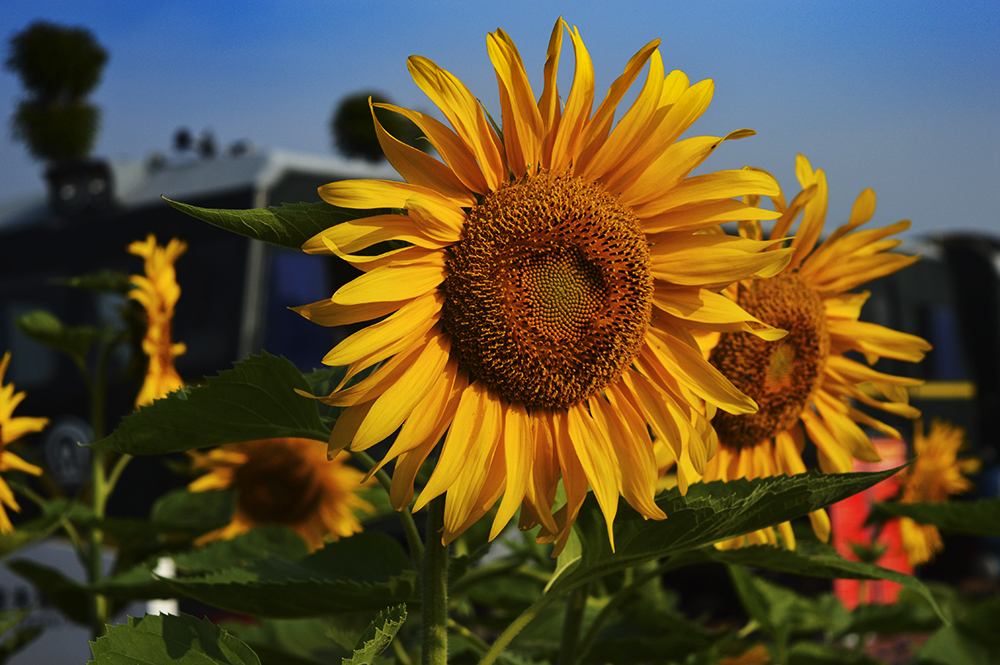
12 429
934 475
537 314
285 482
158 292
805 383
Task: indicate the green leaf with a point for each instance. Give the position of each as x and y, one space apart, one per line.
367 571
294 641
911 613
817 560
65 594
972 640
101 280
378 636
974 518
170 640
44 327
811 653
288 225
709 513
254 400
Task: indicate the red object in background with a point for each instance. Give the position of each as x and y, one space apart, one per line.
847 520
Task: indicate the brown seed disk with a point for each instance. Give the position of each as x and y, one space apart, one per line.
781 376
277 485
548 295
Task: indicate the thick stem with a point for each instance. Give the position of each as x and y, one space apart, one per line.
571 625
434 589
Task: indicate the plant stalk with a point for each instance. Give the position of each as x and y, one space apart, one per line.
434 589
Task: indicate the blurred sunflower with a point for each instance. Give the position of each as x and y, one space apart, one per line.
12 429
934 475
538 317
157 291
284 482
805 382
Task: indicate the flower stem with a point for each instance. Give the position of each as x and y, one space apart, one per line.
434 589
516 626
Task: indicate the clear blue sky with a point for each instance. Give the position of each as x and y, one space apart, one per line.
903 97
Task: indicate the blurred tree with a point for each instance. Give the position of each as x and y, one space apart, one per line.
354 130
59 66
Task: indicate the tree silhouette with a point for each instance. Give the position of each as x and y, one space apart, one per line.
59 66
354 130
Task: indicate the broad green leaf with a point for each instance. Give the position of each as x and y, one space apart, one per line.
709 513
781 613
170 640
367 571
101 280
911 613
44 327
294 641
254 400
972 640
974 518
288 225
139 582
200 511
812 653
67 595
817 560
378 636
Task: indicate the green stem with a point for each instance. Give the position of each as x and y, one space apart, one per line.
616 601
516 626
98 602
434 589
477 642
405 516
571 625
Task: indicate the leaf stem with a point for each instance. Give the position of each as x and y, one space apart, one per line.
571 625
516 626
434 589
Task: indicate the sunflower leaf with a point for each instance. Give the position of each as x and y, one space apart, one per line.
288 225
163 639
254 400
365 572
709 513
971 640
974 518
43 326
378 636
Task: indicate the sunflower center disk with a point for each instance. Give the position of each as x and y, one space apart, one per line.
780 376
549 292
277 486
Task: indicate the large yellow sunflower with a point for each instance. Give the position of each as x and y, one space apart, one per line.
538 315
805 383
934 475
12 429
283 482
158 293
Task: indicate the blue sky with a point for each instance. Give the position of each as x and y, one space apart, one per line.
902 97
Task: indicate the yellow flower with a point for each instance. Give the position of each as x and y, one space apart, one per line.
934 475
285 482
538 315
804 383
12 429
158 292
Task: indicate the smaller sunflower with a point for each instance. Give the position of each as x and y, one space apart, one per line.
283 482
157 291
934 475
807 383
12 429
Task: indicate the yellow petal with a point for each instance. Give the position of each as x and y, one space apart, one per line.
419 168
710 186
568 138
452 149
519 453
522 121
357 234
464 113
701 215
711 311
390 283
328 313
398 401
549 104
